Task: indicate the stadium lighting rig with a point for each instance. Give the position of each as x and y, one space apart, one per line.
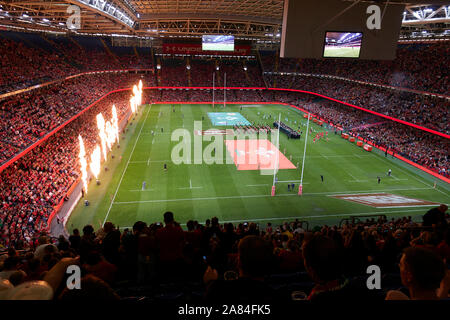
111 10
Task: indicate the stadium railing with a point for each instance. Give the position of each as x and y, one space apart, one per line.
357 219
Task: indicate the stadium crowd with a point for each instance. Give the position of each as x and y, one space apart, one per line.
25 118
417 66
419 146
33 186
225 263
29 59
432 113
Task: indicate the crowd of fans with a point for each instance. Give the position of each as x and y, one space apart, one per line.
28 59
33 186
430 112
417 66
424 148
25 118
222 263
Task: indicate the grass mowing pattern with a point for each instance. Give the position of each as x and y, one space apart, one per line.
202 191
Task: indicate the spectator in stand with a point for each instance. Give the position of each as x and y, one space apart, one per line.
422 272
255 261
75 239
435 217
170 241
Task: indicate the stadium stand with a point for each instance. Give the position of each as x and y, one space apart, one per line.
161 262
164 263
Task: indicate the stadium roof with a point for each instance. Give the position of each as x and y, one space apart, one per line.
248 19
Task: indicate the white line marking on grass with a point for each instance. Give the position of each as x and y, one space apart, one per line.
311 217
358 181
444 193
191 188
374 191
354 178
419 205
140 190
265 196
427 184
150 161
258 185
126 167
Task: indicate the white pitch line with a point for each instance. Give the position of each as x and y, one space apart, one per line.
126 167
311 217
420 180
354 178
140 190
258 185
419 205
142 161
266 195
358 181
184 188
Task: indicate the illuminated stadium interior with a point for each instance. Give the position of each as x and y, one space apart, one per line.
167 151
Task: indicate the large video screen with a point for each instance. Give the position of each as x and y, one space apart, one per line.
342 45
217 43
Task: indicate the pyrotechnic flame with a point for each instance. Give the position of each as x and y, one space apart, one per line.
133 104
101 133
83 164
95 161
115 123
110 135
136 98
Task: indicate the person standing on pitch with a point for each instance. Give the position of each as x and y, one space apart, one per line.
379 180
321 177
389 172
289 187
165 167
144 185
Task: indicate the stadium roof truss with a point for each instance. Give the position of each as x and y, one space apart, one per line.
96 16
249 19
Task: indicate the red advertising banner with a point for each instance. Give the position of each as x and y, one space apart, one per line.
191 48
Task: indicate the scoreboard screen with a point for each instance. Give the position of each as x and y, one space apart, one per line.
342 45
217 43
